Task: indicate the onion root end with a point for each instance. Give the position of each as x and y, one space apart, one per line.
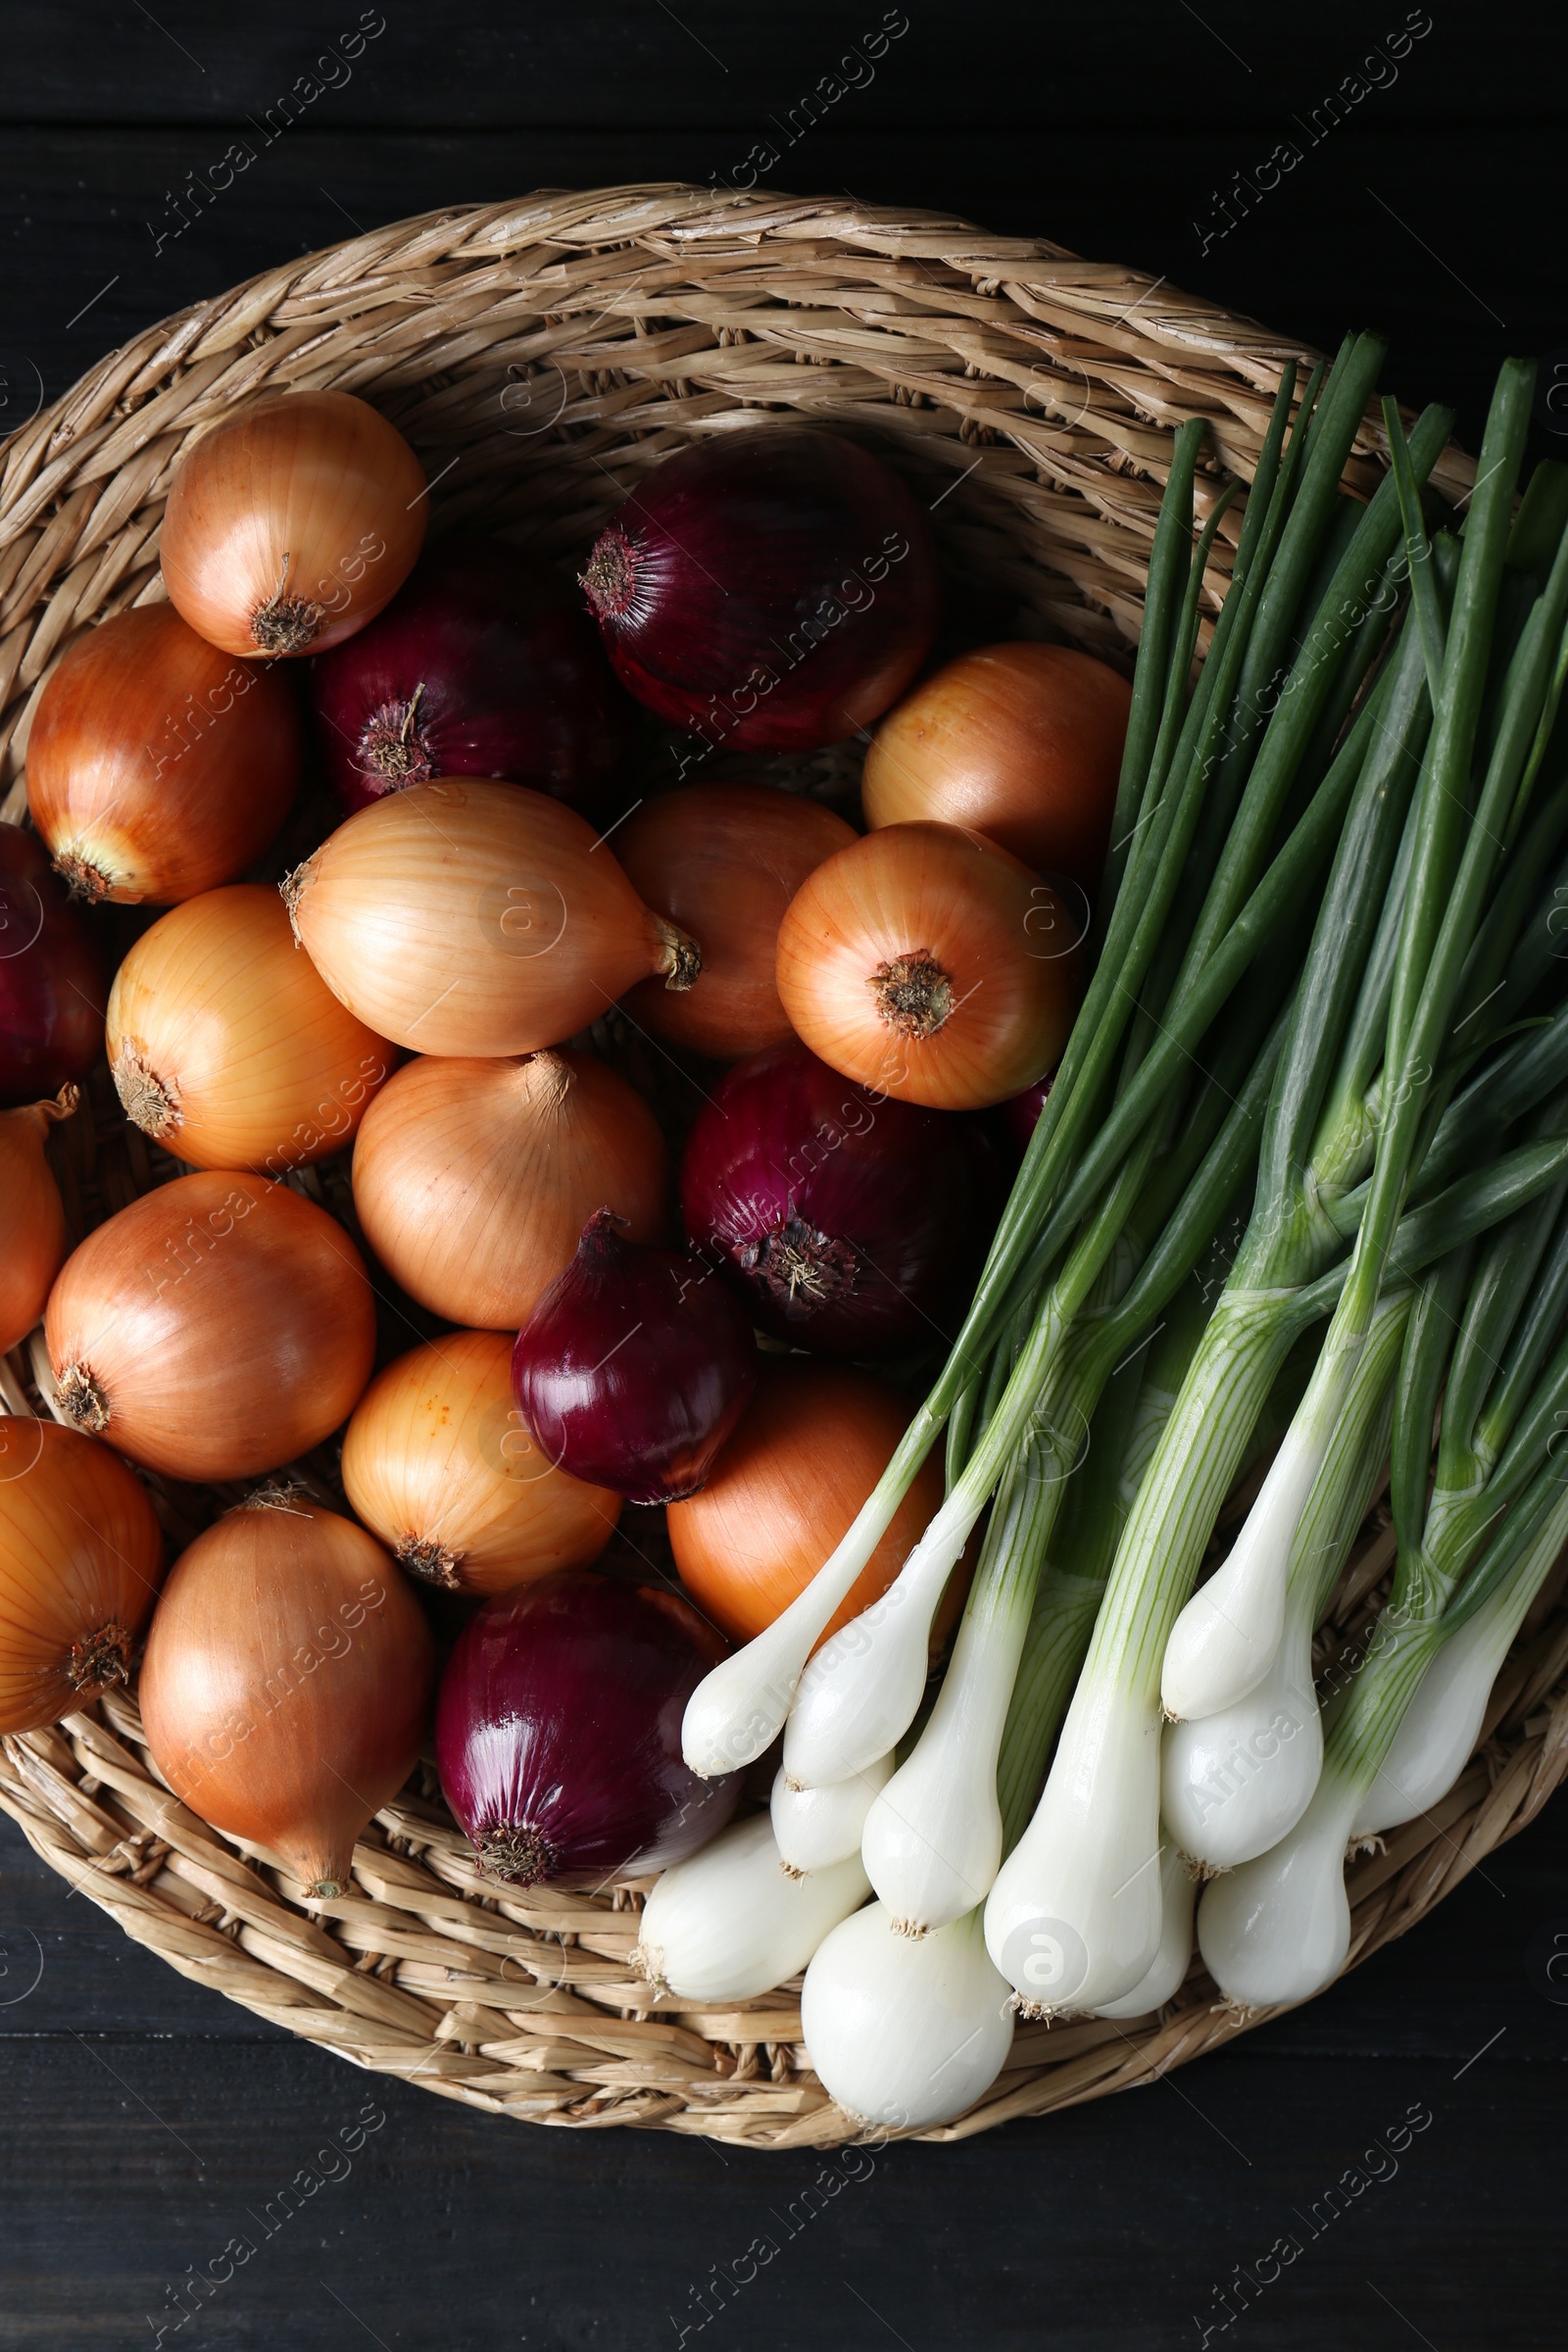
81 1400
913 994
150 1101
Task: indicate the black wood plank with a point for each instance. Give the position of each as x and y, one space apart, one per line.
999 66
146 2121
1444 280
148 2124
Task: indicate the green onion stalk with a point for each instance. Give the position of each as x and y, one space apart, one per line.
1192 913
1077 1907
908 2029
1279 1929
1226 1637
934 1837
1487 1334
847 1693
1233 1783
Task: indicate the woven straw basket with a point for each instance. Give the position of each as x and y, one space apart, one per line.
540 357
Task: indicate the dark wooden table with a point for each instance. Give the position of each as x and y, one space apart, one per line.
143 2123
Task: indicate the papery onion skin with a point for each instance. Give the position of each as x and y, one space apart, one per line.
32 1215
474 1179
469 917
772 589
847 1223
216 1327
634 1367
81 1556
722 861
438 1463
287 1686
484 664
227 1047
812 1447
929 965
158 766
291 523
1023 743
52 980
557 1731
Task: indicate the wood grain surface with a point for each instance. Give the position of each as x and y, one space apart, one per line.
146 2127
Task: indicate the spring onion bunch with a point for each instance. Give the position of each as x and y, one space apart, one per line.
1232 799
1361 1089
1476 1535
1312 1117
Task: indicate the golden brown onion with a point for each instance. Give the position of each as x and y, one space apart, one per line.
1023 743
81 1560
438 1461
217 1327
472 1180
723 862
227 1045
929 965
474 918
32 1218
292 522
287 1686
157 765
814 1441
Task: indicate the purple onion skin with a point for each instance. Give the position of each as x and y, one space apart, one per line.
557 1731
849 1223
1020 1114
634 1367
773 590
52 984
511 680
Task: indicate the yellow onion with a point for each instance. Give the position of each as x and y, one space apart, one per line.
725 861
472 1180
438 1461
158 766
33 1217
1021 742
292 522
80 1558
219 1326
928 963
474 917
227 1047
287 1686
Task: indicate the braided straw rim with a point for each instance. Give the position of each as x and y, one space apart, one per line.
541 356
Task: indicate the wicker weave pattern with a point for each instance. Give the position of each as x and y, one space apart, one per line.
541 356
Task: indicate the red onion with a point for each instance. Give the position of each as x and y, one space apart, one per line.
557 1731
771 590
634 1367
484 664
52 984
1020 1114
848 1221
